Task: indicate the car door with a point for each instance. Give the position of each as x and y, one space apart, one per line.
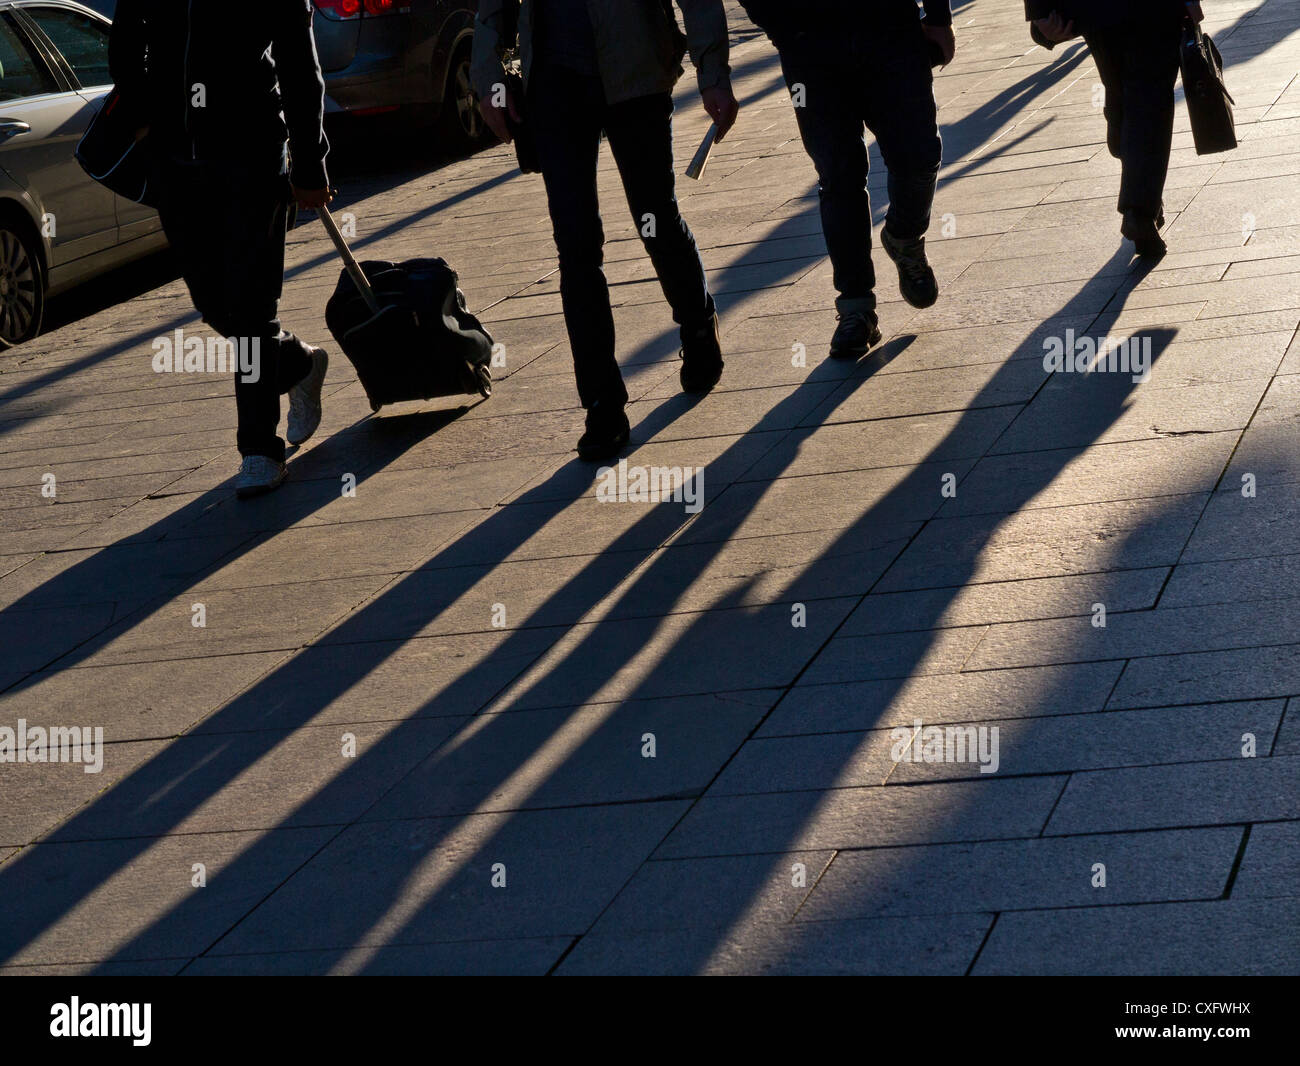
80 42
41 121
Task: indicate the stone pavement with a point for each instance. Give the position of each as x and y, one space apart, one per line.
472 719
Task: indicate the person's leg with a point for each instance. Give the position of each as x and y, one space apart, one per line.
1106 46
228 232
254 283
901 113
564 110
818 71
1150 58
640 136
898 88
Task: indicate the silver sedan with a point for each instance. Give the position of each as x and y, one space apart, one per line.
58 228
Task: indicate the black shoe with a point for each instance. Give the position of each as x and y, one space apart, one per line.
916 281
607 432
856 334
701 356
1144 232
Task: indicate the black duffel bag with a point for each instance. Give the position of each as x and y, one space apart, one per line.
1208 101
405 328
110 153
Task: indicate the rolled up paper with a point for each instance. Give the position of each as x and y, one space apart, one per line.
701 160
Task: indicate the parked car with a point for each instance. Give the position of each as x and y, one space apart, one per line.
382 55
385 55
58 228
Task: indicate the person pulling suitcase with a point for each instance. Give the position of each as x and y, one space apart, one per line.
222 99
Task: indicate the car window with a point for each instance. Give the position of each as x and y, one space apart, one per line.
21 73
82 40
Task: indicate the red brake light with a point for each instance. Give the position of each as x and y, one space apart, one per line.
339 9
386 7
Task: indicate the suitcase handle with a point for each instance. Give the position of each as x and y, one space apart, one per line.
359 278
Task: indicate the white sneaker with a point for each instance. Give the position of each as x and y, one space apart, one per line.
258 474
304 399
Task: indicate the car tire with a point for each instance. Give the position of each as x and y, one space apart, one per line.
22 287
460 128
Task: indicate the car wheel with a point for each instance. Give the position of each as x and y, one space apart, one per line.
22 288
460 126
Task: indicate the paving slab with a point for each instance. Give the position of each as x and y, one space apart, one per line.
1024 875
863 817
531 957
942 946
432 879
1225 938
104 900
1211 793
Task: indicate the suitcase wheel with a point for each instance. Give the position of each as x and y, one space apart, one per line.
484 378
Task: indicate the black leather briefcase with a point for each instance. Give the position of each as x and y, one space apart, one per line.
1208 101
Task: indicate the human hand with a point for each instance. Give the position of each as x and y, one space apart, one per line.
1055 28
721 104
944 38
498 119
312 199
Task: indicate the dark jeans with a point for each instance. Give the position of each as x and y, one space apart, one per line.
843 79
567 112
227 225
1138 63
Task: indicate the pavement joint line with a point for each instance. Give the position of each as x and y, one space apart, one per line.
971 842
1272 748
1052 715
1236 862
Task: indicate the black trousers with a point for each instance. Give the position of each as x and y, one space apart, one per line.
567 112
876 76
1138 63
227 224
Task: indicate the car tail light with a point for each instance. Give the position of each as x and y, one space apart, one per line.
339 9
351 9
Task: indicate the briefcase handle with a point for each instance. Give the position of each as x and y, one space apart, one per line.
358 276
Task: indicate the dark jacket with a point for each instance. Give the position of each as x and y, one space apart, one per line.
1100 14
781 19
638 45
205 81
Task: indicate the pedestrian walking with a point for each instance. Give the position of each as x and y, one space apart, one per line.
851 64
610 65
1135 47
227 100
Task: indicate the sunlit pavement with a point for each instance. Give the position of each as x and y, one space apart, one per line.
440 705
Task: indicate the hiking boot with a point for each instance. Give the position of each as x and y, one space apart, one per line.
701 356
916 281
1144 232
857 333
304 399
258 474
607 432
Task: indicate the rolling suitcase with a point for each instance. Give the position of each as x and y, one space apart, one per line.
405 328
